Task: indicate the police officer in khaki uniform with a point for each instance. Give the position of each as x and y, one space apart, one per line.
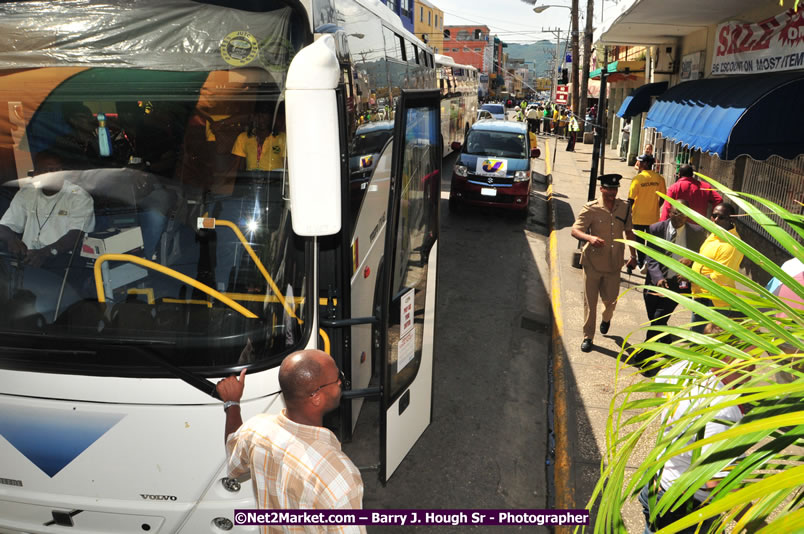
600 222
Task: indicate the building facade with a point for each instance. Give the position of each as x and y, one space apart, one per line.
467 45
741 56
428 24
403 8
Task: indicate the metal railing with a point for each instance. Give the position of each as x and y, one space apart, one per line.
778 180
716 168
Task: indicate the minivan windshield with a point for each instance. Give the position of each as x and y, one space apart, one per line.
499 144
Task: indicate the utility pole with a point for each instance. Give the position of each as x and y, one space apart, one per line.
587 56
575 57
557 33
599 148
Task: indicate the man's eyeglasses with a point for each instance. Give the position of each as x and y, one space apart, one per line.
721 216
341 379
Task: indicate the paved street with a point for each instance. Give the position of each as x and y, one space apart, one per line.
487 445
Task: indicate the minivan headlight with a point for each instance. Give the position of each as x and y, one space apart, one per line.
521 176
460 170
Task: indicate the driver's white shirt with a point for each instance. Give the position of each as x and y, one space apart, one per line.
43 220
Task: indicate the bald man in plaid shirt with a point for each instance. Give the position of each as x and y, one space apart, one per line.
294 461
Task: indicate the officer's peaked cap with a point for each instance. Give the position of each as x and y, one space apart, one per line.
610 180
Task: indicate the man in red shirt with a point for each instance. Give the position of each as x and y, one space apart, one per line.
698 194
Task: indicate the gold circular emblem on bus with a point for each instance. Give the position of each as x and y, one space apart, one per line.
239 48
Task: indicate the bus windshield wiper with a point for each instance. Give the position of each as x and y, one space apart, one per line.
198 382
149 351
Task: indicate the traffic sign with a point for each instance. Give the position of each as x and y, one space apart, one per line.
562 94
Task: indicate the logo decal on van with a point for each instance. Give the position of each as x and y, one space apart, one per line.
491 167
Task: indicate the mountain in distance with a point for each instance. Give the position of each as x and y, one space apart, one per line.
540 53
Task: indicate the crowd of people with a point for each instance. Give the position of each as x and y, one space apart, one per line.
606 219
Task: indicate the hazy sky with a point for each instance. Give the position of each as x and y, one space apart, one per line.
513 20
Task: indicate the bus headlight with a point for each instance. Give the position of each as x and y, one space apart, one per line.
460 170
521 176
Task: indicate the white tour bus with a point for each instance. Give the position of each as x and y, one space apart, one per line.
189 188
458 85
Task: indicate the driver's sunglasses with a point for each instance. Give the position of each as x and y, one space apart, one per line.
341 379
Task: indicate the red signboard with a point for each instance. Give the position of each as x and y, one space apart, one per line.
562 94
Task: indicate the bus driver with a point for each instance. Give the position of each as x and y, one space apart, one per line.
46 220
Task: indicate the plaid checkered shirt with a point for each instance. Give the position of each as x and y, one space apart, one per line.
295 466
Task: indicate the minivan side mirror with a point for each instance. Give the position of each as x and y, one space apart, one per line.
455 145
535 152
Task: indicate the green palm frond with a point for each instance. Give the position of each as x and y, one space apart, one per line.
762 490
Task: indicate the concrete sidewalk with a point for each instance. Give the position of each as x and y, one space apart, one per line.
585 382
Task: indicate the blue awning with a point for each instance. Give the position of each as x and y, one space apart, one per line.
639 101
758 115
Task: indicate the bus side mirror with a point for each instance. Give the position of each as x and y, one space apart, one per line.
313 139
455 145
535 152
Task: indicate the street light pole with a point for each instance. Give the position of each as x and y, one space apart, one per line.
574 28
587 55
599 148
557 33
556 65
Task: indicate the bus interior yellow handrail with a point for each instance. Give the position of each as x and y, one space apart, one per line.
203 287
232 226
166 271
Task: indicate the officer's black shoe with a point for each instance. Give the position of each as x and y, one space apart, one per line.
586 346
604 327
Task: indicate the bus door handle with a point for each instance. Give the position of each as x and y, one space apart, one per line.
364 393
342 323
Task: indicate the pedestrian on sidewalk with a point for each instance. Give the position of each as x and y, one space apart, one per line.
677 229
648 151
626 138
554 123
696 399
698 193
547 117
723 253
599 223
644 200
574 128
539 114
533 119
562 123
294 461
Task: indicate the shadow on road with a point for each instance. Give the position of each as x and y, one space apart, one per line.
489 443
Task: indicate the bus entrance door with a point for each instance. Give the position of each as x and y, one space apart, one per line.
408 319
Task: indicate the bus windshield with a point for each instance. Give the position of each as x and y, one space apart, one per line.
143 185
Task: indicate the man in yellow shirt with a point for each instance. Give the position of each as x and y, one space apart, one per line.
556 115
262 147
534 141
644 200
723 253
